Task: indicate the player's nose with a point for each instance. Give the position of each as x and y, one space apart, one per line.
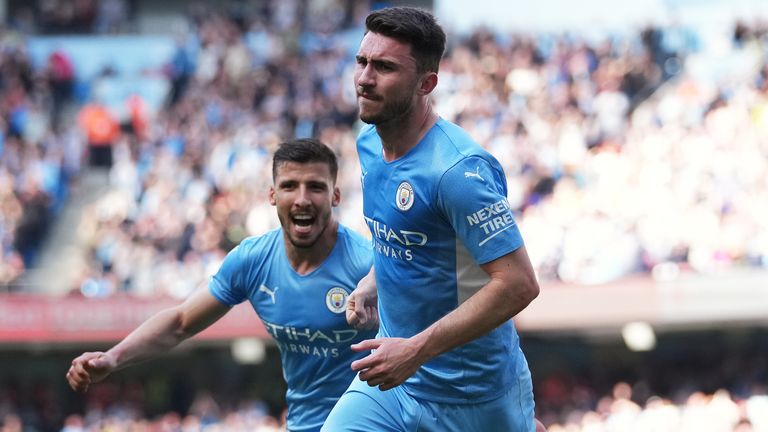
302 197
366 79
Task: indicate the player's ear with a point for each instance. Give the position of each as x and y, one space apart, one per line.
271 195
336 196
428 83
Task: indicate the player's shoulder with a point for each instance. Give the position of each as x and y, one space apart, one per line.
258 245
454 150
357 247
456 143
460 159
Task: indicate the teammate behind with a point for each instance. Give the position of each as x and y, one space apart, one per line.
296 277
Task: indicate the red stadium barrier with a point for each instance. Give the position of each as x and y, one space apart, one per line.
30 318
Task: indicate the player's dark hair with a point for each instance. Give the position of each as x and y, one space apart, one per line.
414 26
305 150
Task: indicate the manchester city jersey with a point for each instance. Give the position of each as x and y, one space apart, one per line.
435 215
305 314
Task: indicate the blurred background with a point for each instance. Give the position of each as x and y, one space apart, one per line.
135 145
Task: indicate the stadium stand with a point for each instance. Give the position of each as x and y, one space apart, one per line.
589 156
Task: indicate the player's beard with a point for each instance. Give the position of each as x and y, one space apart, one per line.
324 220
392 109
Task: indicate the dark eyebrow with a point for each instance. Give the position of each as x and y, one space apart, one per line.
322 184
375 62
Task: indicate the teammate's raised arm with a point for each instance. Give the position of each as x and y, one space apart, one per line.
157 335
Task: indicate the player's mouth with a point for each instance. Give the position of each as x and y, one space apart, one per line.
303 222
368 96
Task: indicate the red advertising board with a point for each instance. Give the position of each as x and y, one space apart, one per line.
28 318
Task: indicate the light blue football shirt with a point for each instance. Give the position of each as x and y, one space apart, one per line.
435 214
304 314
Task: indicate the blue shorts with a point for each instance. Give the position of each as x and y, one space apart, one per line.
363 408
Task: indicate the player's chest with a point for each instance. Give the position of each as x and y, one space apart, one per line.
397 193
301 306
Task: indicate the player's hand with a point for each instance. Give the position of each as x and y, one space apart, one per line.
89 368
393 362
362 308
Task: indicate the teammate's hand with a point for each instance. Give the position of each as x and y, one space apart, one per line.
362 308
393 362
88 368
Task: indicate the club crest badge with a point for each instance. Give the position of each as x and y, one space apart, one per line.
336 300
405 196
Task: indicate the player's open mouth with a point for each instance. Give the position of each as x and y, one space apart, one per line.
303 221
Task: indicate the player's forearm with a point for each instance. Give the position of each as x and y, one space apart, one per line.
368 283
155 336
491 306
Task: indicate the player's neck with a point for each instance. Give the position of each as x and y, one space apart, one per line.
306 260
399 137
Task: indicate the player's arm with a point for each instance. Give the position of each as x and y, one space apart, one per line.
362 304
511 288
158 334
470 190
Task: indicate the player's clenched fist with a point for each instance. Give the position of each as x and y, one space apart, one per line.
88 368
362 310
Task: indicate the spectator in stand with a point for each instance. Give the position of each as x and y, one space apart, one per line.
180 71
61 77
101 130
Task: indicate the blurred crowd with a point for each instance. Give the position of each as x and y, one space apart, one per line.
121 412
70 16
620 157
697 412
561 406
678 182
192 184
38 157
717 412
618 160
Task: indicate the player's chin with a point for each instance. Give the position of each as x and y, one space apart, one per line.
371 120
368 116
303 240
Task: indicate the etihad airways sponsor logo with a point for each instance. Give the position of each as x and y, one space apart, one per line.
393 243
492 219
381 231
306 334
299 348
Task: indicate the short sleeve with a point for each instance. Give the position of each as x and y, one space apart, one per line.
226 285
472 196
